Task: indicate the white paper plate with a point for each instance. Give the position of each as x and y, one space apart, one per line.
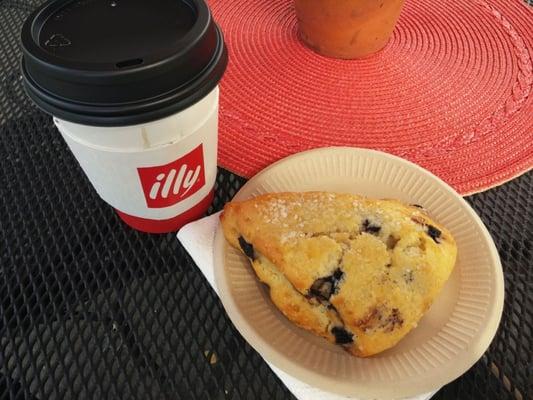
450 338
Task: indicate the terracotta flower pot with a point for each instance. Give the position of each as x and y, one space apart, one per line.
347 28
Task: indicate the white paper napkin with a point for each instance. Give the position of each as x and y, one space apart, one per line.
198 239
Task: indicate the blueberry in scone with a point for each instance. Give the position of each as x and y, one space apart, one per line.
356 271
246 248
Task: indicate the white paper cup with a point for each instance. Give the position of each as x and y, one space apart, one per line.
136 101
157 175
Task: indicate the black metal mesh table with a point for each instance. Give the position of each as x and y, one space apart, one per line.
90 309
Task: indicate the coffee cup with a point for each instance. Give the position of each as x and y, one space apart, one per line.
133 89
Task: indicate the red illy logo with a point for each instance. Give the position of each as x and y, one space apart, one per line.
169 184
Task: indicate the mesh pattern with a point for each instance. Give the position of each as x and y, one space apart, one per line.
90 309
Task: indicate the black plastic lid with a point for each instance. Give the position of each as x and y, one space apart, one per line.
120 62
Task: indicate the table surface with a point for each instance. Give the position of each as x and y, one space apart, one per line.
90 309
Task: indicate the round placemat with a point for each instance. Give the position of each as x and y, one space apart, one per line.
452 90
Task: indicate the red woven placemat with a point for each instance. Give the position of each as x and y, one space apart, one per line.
452 91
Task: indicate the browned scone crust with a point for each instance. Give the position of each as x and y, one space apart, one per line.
356 271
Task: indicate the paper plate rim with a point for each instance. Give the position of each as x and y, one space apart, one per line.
342 387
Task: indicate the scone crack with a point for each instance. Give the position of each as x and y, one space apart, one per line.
369 225
326 286
318 295
321 292
330 234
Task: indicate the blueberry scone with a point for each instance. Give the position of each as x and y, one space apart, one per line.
358 272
